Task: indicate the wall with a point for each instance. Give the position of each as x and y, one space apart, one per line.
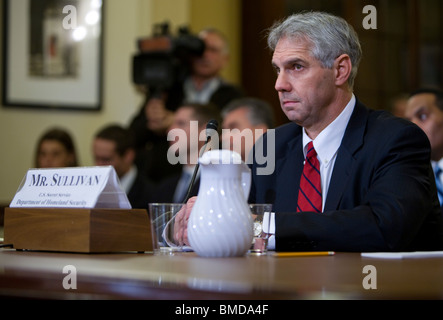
125 21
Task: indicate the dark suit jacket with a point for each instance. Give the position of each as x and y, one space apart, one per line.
141 192
382 194
225 94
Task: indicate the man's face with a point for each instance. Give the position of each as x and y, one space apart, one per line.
304 86
213 59
105 155
182 120
240 135
423 111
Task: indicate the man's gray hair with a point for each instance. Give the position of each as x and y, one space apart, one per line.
331 36
259 111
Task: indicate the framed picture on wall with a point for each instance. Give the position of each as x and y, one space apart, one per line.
52 54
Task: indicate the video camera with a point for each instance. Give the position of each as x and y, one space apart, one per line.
163 59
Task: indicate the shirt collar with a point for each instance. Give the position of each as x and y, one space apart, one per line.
200 96
438 163
328 141
189 169
127 180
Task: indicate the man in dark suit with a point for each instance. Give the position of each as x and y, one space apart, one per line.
377 191
185 136
114 146
346 178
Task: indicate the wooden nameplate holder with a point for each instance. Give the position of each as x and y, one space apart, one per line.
78 230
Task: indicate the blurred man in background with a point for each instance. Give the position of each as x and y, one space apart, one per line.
425 109
186 144
244 121
115 146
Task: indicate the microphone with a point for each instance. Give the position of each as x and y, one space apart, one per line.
212 125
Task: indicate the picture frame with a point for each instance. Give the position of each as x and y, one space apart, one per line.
52 54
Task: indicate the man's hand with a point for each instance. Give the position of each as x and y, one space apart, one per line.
181 223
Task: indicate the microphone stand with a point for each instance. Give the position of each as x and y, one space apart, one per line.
194 175
211 125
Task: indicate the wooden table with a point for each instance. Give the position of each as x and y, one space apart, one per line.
27 274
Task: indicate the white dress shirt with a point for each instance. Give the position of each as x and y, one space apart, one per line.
439 164
183 183
128 179
327 143
435 165
203 96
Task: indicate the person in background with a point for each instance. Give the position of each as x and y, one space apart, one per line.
398 105
204 85
55 149
244 121
347 178
114 146
189 122
425 109
151 127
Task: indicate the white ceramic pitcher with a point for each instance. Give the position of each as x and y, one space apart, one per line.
220 224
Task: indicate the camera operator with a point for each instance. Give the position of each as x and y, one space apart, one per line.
203 85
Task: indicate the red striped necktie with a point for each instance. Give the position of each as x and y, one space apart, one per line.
309 195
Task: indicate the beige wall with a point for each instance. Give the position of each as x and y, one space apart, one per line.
125 21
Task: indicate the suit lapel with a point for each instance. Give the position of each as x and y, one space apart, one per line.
288 175
352 141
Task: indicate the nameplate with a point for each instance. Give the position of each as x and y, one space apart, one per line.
80 187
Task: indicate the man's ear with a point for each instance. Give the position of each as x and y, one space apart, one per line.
130 155
342 68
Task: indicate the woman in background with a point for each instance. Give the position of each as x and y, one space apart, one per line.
55 149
